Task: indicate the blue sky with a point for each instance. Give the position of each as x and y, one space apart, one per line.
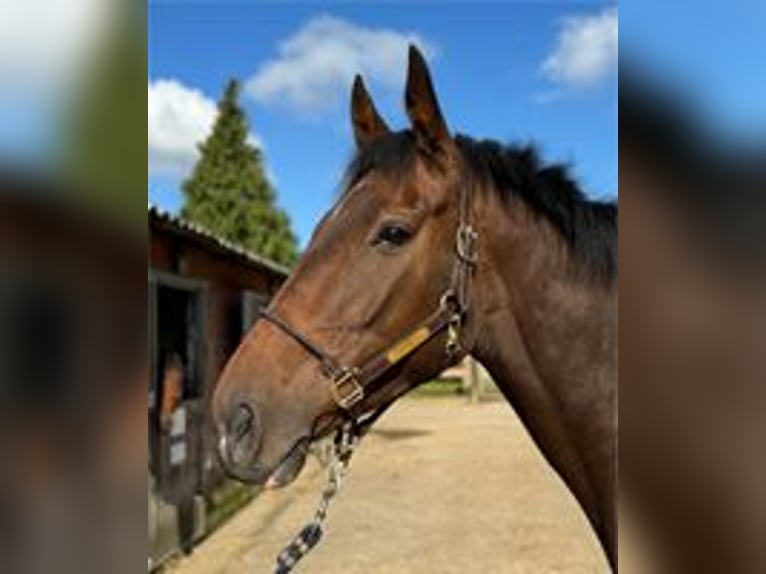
514 72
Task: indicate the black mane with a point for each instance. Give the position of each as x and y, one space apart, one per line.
588 227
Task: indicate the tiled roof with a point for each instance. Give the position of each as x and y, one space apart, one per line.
186 227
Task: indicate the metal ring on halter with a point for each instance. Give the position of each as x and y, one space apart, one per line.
465 240
449 301
453 347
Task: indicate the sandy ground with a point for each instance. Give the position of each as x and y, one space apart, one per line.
438 486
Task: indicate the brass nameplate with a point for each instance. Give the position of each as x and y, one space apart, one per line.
407 345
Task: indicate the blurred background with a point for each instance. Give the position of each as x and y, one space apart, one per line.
692 299
72 286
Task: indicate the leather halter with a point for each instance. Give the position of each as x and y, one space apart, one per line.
350 384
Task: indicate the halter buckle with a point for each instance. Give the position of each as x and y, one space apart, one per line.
466 240
346 389
452 347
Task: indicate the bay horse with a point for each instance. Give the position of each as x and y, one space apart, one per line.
439 246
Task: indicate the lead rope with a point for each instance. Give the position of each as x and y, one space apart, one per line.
346 440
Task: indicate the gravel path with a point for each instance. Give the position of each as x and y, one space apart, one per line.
439 486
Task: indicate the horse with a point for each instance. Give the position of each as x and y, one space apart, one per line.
438 246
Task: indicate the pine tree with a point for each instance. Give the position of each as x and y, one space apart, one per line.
228 191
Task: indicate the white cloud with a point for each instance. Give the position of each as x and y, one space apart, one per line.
180 118
315 66
586 50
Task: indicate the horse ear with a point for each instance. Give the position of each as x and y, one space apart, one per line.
422 106
368 125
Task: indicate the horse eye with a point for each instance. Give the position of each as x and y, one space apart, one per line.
393 235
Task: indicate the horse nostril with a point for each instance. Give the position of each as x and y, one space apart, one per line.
244 435
242 421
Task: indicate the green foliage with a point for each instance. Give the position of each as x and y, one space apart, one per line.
102 140
229 193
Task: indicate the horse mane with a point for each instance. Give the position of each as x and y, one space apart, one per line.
588 227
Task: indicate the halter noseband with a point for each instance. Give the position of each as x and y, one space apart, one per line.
350 384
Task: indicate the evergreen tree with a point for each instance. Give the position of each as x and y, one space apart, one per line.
228 191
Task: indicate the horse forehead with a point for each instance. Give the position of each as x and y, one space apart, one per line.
375 190
347 197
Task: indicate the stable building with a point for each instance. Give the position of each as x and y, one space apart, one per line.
204 294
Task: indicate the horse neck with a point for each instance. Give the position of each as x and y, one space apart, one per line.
549 343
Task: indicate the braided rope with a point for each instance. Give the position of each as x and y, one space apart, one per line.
346 441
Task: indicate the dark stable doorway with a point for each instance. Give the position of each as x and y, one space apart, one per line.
175 331
177 324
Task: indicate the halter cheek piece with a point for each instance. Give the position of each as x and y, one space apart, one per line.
349 385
